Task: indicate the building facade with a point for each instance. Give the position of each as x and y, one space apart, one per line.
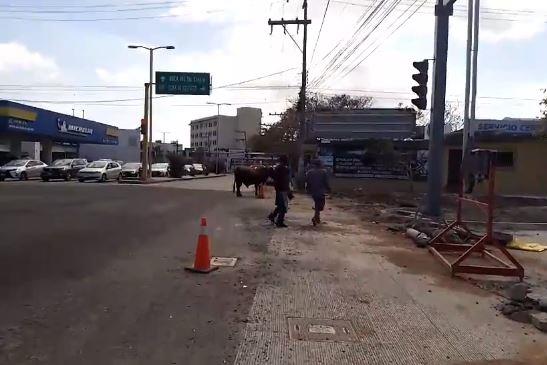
48 132
521 146
222 132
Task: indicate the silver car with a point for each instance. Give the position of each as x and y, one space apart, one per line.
101 170
21 169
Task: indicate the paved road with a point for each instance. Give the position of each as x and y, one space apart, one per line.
93 274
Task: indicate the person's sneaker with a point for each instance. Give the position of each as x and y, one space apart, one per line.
271 217
314 222
281 225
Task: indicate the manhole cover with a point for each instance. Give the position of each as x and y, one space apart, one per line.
310 329
224 261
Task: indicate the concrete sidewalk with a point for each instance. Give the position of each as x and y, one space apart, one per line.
401 307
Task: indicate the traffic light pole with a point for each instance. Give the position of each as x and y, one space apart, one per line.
144 131
443 11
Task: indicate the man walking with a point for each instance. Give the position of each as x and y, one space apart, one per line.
317 185
281 177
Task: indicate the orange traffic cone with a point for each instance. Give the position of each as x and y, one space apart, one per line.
202 262
261 191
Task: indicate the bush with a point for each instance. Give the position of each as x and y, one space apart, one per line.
176 164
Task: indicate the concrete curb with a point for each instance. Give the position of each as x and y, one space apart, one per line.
166 180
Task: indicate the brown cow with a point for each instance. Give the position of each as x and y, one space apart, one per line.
250 175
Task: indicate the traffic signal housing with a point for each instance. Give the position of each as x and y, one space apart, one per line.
421 89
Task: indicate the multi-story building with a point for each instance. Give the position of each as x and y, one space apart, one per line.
224 131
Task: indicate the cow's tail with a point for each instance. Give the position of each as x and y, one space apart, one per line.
234 186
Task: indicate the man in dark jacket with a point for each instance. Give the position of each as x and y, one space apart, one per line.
281 177
317 185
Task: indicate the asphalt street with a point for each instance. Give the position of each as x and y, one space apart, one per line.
93 273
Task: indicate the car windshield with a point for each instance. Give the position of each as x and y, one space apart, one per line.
16 163
63 162
160 165
97 164
132 165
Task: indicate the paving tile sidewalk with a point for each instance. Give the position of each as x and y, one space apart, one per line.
401 313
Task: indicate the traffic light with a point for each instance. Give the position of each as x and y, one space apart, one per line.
420 89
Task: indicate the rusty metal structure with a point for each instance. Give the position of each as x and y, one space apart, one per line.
439 246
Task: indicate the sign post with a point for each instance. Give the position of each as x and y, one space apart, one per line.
183 83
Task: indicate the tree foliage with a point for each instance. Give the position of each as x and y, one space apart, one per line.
281 137
543 104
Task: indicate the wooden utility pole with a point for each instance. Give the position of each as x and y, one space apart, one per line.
302 99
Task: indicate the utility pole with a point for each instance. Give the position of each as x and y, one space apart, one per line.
164 133
83 114
302 99
466 123
443 10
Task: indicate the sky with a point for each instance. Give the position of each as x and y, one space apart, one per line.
63 55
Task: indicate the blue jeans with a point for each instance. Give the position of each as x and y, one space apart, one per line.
281 205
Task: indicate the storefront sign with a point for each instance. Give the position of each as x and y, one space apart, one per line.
352 166
65 127
20 125
509 126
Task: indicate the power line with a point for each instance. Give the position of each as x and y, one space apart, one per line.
389 35
335 65
35 6
88 19
320 29
94 11
524 13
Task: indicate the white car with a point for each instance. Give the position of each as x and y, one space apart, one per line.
101 170
21 169
160 169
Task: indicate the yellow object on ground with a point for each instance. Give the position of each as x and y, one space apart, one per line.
526 246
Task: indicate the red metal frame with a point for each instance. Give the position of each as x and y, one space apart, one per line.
438 244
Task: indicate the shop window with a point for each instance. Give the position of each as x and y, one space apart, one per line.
505 159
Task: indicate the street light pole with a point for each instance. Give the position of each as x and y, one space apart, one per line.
150 93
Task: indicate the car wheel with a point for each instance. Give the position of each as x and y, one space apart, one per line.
45 179
68 177
81 180
119 177
23 176
103 178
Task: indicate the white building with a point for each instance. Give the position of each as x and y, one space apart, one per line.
225 132
128 148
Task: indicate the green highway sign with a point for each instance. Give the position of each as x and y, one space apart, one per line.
183 83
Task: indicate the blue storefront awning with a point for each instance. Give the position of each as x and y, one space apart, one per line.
36 123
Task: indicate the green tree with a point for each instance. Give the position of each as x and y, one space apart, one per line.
543 104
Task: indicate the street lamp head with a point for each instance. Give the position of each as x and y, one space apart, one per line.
170 47
132 46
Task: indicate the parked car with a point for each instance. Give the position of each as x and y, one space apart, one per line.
66 168
160 169
189 170
100 170
131 170
21 169
201 169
